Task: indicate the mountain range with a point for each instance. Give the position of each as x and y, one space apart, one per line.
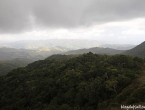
10 55
96 50
67 44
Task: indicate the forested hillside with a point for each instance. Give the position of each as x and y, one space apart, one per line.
8 65
139 51
85 82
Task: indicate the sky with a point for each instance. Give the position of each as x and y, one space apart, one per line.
116 21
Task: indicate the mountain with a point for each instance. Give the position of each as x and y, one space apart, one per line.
11 58
85 82
14 58
118 46
67 44
139 51
97 50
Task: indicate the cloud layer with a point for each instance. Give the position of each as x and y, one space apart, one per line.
21 15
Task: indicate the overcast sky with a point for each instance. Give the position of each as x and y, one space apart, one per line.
120 21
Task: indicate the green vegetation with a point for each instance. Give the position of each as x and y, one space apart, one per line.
61 57
8 65
85 82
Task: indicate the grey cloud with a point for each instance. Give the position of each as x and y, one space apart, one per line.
16 15
114 10
58 13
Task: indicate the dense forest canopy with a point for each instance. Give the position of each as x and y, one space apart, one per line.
8 65
85 82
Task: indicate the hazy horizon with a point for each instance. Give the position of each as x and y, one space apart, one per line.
121 22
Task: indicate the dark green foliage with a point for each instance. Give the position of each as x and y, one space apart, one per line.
61 57
8 65
86 82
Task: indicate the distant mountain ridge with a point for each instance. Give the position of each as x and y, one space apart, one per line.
96 50
67 44
138 51
118 46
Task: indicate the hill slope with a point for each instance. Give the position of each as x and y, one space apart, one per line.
86 82
96 50
11 58
8 65
137 51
